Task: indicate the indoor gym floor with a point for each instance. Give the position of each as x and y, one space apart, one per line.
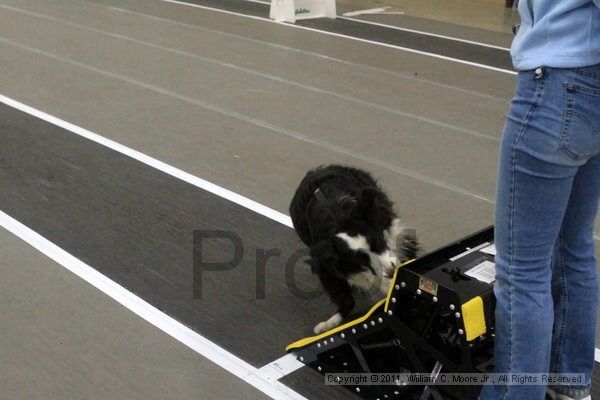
173 97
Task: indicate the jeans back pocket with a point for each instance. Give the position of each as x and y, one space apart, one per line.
580 136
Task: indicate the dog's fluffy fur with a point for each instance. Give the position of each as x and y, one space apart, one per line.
354 235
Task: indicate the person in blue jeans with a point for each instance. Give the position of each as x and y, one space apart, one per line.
547 198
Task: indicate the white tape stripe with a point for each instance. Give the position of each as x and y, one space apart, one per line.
371 11
175 172
201 183
399 28
8 223
183 3
261 74
307 53
263 124
423 53
258 2
206 185
154 163
170 326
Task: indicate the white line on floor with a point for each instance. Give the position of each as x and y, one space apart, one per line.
188 337
145 310
170 326
260 74
154 163
399 28
423 53
258 2
262 124
372 11
305 52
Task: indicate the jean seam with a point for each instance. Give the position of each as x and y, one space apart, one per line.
520 134
563 141
577 87
565 297
586 73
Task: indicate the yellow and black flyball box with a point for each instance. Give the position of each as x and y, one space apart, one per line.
438 317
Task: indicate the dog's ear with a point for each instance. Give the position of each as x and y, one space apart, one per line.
367 200
371 201
368 196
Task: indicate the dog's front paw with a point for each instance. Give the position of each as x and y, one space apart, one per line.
331 323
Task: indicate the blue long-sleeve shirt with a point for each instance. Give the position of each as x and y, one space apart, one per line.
557 33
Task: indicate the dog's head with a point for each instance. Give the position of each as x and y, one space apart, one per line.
368 235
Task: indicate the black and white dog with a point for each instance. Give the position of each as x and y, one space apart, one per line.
354 235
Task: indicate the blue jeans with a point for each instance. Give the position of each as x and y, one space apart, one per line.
547 199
